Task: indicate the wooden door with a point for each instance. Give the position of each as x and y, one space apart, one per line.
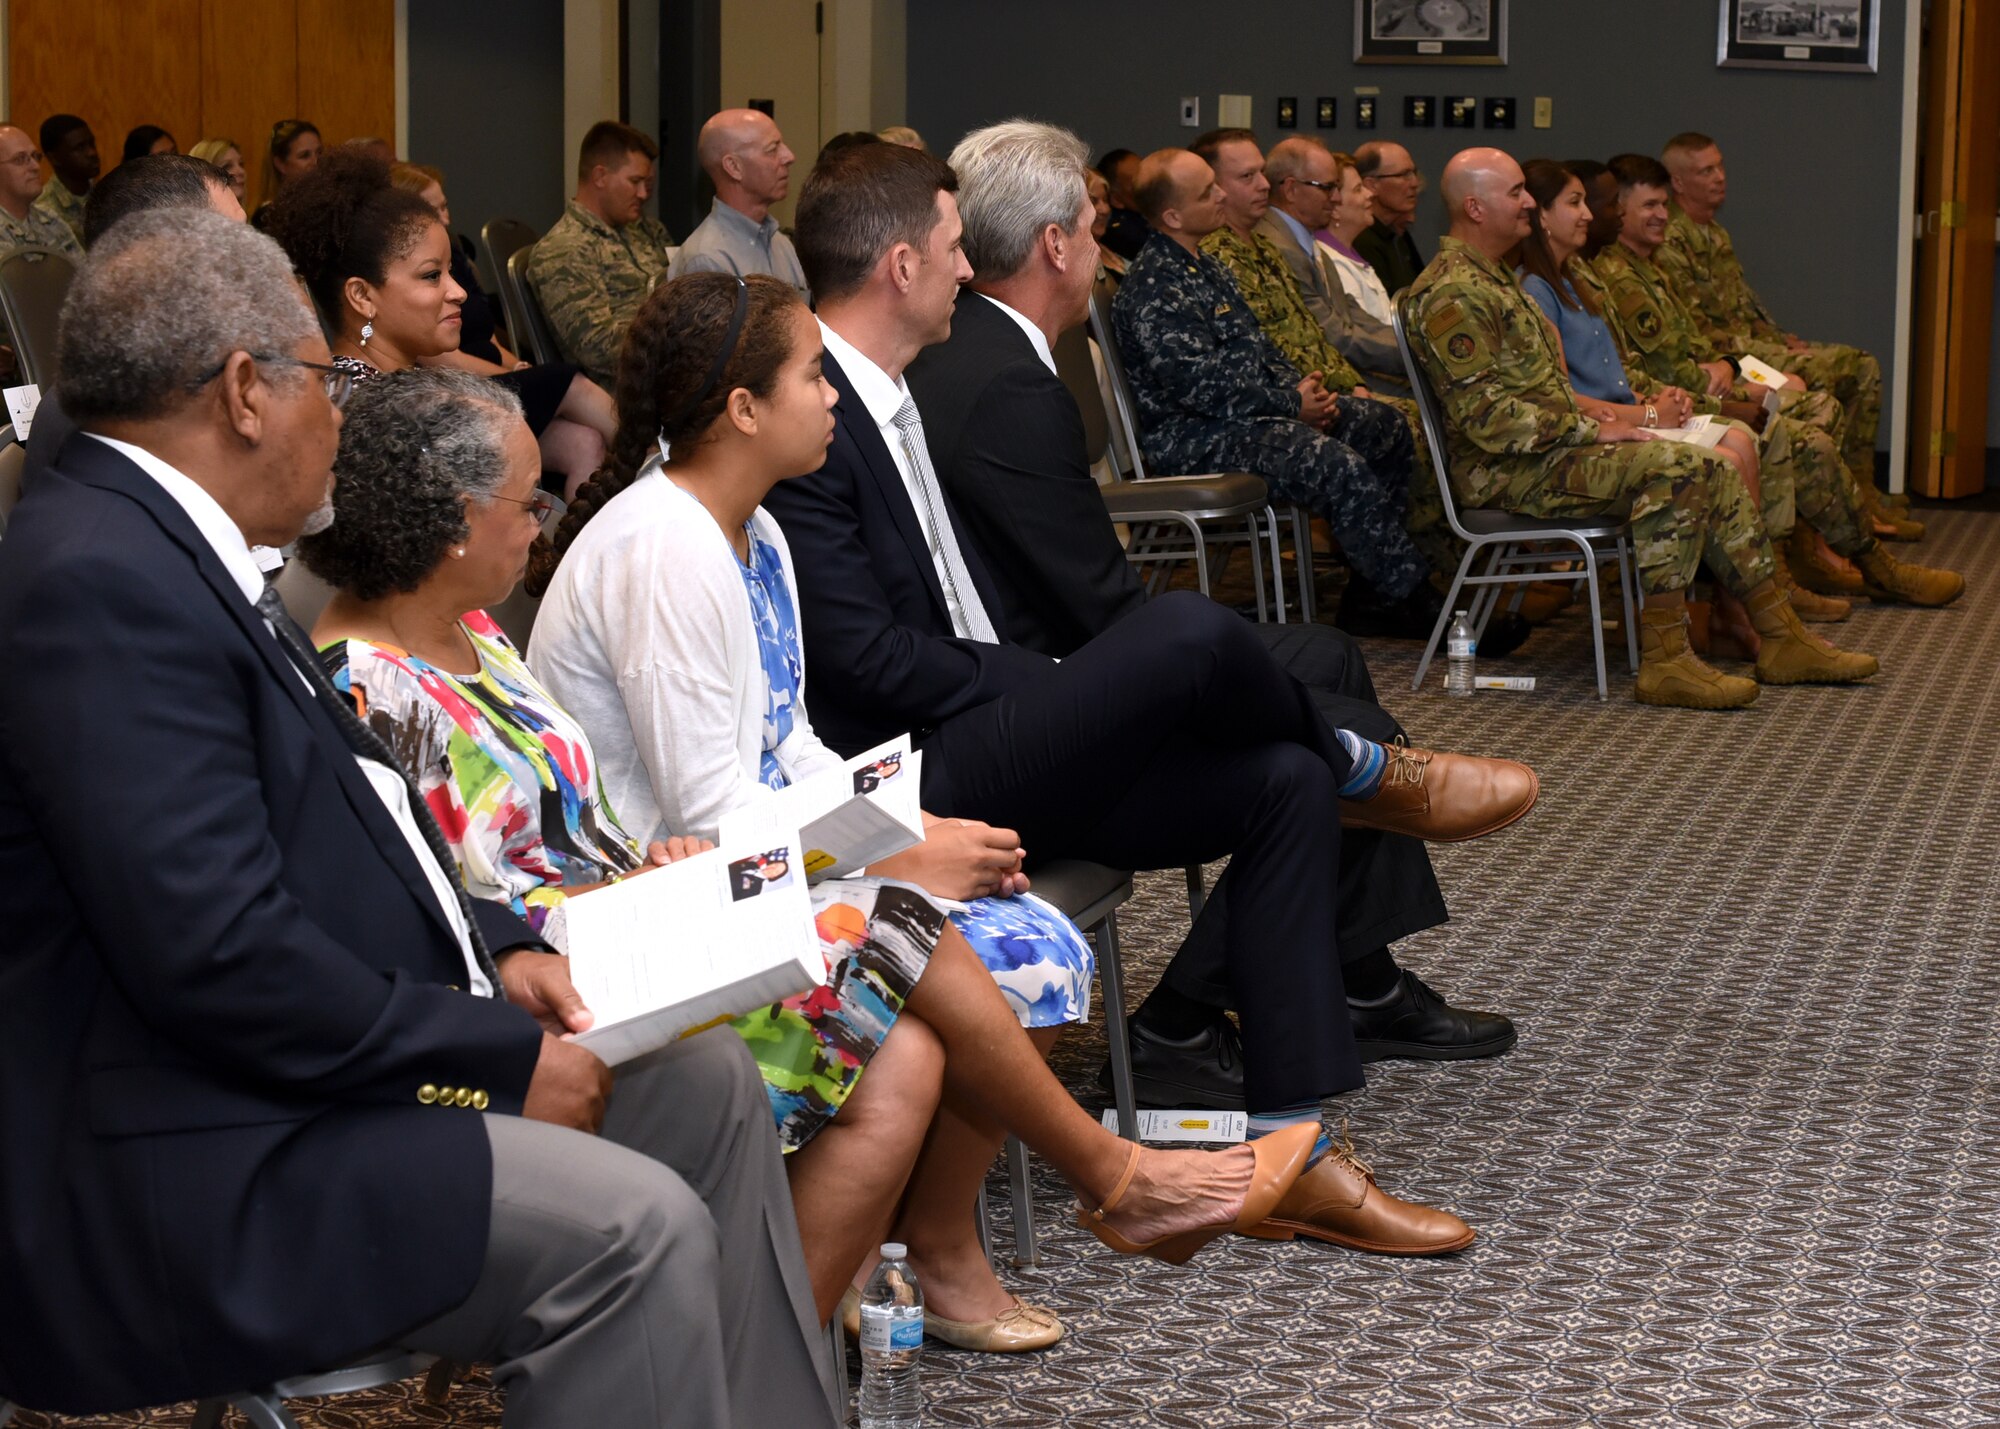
770 51
1961 184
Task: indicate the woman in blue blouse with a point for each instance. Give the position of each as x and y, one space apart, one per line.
1573 300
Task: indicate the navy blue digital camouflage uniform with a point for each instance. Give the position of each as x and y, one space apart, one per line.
1214 394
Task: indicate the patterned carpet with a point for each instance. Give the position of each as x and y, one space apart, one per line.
1735 1172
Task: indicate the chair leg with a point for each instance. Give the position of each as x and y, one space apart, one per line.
1257 568
1197 895
1112 973
1200 562
1596 618
1024 1203
208 1414
1628 591
836 1341
1302 545
265 1411
438 1381
1450 599
982 1213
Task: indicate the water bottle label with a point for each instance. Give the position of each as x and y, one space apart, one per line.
888 1328
1460 649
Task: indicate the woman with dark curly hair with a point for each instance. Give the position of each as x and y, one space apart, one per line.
148 139
435 510
377 261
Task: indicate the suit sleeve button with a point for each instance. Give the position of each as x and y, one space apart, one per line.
427 1094
463 1096
479 1101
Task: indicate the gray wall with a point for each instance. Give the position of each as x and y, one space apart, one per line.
486 106
1812 158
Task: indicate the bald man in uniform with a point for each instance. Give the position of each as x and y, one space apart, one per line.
1517 441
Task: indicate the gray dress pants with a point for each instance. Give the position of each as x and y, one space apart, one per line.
651 1275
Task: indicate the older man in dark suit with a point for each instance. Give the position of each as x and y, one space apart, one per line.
1168 739
1007 440
268 1098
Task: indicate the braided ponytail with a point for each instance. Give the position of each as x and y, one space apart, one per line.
671 345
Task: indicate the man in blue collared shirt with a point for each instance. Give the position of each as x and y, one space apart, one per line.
750 165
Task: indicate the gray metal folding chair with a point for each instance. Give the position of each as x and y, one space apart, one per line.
501 239
1090 894
534 333
265 1408
33 283
1216 499
1510 541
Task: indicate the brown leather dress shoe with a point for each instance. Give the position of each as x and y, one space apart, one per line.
1338 1202
1443 797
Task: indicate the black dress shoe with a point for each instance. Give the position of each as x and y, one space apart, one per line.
1205 1070
1365 611
1504 632
1418 1024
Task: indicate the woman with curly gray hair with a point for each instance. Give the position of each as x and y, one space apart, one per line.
435 509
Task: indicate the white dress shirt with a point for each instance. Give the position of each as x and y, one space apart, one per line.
884 398
226 539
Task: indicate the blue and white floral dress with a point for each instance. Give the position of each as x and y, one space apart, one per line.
1038 957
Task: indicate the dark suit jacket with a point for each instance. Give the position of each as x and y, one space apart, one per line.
1007 441
223 980
880 653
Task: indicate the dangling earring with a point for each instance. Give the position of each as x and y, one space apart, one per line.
367 331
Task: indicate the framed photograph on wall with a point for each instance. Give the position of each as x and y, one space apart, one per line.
1446 32
1834 35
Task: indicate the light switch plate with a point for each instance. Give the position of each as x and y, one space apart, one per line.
1545 111
1232 111
1190 111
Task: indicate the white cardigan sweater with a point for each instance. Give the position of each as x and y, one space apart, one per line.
647 638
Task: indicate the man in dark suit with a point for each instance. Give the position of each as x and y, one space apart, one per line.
1006 437
250 1126
1170 739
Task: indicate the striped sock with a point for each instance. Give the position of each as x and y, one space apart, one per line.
1370 759
1263 1123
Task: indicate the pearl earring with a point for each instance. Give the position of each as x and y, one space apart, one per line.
367 331
458 551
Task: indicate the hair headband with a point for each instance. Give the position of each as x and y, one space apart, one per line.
722 354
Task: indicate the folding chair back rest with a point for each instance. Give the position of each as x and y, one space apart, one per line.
1429 410
33 283
535 331
1079 373
13 457
1114 367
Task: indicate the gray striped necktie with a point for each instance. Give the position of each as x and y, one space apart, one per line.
960 593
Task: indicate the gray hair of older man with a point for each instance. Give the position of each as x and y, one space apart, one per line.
163 300
414 446
1015 179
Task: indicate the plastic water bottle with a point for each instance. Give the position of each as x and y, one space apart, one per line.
1458 648
892 1343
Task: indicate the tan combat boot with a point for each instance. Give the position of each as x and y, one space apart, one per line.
1889 525
1672 674
1789 654
1890 579
1808 566
1820 609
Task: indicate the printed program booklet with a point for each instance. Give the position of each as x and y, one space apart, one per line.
1700 431
846 818
676 949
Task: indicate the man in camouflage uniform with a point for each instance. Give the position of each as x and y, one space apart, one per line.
1214 394
21 223
1661 339
1274 296
1518 442
72 154
1699 263
605 254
